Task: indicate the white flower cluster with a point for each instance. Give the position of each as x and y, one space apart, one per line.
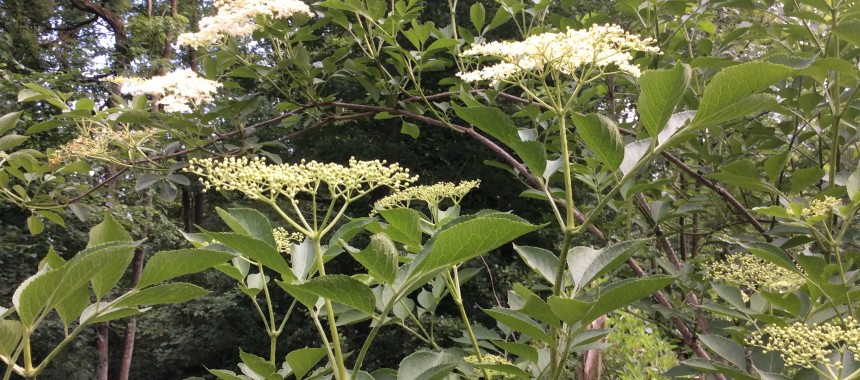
752 272
284 239
236 18
177 89
431 194
599 46
821 207
101 142
259 180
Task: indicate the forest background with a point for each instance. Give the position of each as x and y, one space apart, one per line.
705 209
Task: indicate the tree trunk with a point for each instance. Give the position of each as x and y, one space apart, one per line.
592 360
131 323
102 347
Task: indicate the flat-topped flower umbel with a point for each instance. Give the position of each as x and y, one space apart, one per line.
178 89
236 18
598 47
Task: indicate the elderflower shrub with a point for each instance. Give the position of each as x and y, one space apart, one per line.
749 271
820 207
599 47
285 239
259 180
236 18
433 195
177 90
488 359
807 346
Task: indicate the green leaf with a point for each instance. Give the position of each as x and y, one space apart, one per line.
726 348
468 237
661 91
71 308
35 225
849 31
255 250
304 359
176 292
621 293
744 174
522 350
541 261
109 230
404 226
257 364
571 311
535 307
11 333
410 129
145 180
8 121
33 295
10 141
772 254
46 125
730 94
224 374
586 264
247 221
478 15
520 322
601 135
112 315
52 216
803 178
110 263
168 265
497 124
506 371
338 288
426 365
380 258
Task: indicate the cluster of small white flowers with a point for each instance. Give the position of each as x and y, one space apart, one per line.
259 180
177 89
821 207
807 346
236 18
752 272
284 239
432 194
489 359
599 46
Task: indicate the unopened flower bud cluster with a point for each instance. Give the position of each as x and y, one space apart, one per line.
433 195
178 90
284 239
259 180
750 271
599 46
821 207
97 142
489 359
807 346
237 18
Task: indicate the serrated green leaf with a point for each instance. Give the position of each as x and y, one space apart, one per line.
726 348
731 93
404 226
35 225
73 305
52 216
526 351
744 174
601 136
621 293
175 292
520 322
46 125
477 14
166 265
661 91
426 365
260 366
109 230
586 264
772 254
255 250
380 258
535 307
8 121
468 237
11 333
803 178
110 262
541 261
849 31
224 374
10 141
301 361
497 124
571 311
247 221
34 295
338 288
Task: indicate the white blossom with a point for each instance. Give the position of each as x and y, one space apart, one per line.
236 18
178 90
599 46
